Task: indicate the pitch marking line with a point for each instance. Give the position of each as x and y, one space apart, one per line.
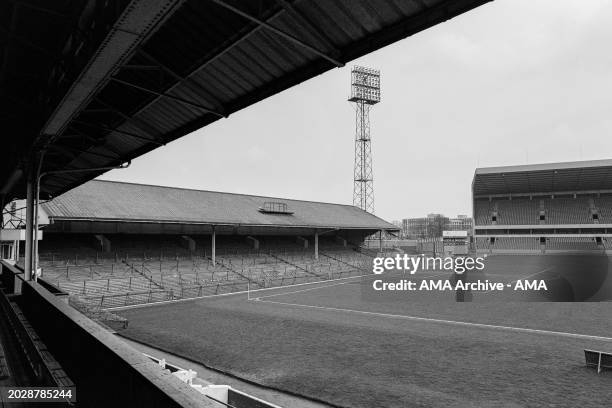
242 292
142 305
449 322
329 286
305 290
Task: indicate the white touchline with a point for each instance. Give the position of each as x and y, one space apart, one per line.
336 284
452 322
306 290
142 305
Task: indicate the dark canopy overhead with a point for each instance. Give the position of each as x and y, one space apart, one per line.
95 83
541 178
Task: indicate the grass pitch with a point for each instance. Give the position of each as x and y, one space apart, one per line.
329 342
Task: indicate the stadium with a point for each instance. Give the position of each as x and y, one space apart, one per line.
108 245
142 295
546 208
265 278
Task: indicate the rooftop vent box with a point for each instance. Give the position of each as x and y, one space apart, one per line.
275 207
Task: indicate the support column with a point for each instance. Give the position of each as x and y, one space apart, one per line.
303 241
105 243
254 241
316 245
29 229
214 246
191 244
35 257
380 245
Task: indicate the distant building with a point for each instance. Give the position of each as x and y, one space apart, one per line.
433 225
461 223
414 228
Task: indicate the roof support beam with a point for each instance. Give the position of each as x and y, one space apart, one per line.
421 4
63 152
74 153
139 123
165 95
138 21
67 177
98 141
220 52
50 181
279 32
176 76
141 67
96 110
309 26
63 173
72 132
211 58
123 132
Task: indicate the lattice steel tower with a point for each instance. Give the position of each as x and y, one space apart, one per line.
365 92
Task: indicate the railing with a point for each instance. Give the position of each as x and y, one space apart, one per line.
106 285
97 303
97 314
147 280
101 302
135 381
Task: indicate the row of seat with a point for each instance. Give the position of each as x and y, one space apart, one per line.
535 243
103 301
110 285
139 276
518 212
536 211
509 243
83 249
572 243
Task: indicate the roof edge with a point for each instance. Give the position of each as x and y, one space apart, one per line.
544 167
221 223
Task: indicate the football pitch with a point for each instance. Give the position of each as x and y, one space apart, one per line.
334 342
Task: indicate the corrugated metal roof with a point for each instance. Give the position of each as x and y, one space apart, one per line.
590 175
210 58
117 201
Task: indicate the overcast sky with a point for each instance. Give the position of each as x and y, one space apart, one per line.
512 82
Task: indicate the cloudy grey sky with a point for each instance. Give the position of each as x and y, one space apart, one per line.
511 82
